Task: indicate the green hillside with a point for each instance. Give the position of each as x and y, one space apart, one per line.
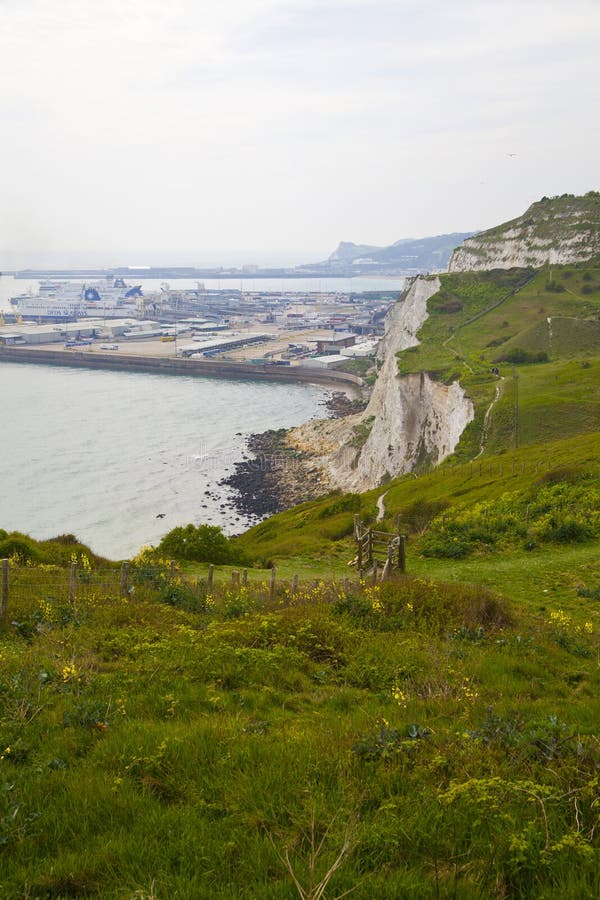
542 327
297 729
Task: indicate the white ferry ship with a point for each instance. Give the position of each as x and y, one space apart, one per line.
68 300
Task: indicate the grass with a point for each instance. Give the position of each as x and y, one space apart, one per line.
477 318
320 532
436 731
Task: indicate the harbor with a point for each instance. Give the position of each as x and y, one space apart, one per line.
314 336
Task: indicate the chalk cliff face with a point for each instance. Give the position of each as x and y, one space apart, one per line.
558 231
409 418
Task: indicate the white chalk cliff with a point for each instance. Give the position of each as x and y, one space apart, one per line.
558 231
409 417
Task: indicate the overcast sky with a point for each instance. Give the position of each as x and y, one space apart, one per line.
215 131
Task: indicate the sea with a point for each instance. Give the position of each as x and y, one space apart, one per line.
120 458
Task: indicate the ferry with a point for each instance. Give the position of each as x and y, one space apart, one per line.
70 300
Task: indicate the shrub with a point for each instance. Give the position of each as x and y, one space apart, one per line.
524 357
22 547
202 543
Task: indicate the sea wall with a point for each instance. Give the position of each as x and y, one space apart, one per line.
177 366
408 419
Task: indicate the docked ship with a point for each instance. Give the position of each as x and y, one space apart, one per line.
71 300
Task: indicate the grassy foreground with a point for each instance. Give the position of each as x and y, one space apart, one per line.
410 739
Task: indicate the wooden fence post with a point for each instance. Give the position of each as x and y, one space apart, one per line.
359 556
402 553
356 527
4 594
370 546
294 588
244 577
387 569
235 579
124 588
172 568
272 584
72 583
209 578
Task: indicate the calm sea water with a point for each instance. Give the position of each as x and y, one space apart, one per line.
102 454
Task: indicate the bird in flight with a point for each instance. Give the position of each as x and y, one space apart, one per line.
511 154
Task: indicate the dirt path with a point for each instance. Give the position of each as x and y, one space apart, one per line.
488 415
381 507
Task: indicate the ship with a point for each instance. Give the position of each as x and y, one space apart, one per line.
71 300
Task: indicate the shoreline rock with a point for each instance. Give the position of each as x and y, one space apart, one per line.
276 478
277 475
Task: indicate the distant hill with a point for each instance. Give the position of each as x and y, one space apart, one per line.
407 256
556 230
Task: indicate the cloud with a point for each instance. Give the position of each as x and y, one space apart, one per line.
193 124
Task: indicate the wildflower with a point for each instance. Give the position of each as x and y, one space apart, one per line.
69 672
398 695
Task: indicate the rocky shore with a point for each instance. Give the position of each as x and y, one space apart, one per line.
278 476
275 478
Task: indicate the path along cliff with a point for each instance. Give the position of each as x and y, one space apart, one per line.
409 418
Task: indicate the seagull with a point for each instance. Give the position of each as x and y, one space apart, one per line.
160 515
511 154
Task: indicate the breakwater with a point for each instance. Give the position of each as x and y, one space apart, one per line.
88 359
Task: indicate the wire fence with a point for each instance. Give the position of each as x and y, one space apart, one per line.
57 592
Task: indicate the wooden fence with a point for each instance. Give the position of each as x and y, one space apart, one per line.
24 586
375 548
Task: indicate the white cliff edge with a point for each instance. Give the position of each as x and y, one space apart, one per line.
408 418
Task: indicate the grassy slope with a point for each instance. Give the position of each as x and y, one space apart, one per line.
322 530
558 398
153 752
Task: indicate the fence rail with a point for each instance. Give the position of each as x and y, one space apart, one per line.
375 547
26 587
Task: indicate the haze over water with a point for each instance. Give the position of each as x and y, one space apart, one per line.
101 454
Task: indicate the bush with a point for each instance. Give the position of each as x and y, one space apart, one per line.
204 543
519 356
567 531
21 546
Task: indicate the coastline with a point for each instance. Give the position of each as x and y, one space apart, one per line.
279 476
176 366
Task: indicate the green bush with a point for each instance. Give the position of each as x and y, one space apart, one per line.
21 546
202 543
523 357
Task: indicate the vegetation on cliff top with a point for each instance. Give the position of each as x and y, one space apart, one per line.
506 320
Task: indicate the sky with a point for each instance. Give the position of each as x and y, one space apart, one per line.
197 132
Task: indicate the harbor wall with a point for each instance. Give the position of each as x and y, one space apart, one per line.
89 359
